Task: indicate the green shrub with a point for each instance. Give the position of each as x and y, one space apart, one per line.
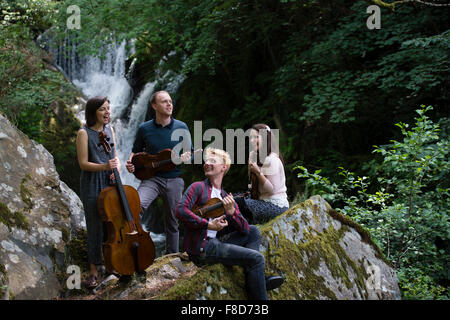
405 208
35 98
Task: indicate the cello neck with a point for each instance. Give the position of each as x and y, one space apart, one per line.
103 138
123 197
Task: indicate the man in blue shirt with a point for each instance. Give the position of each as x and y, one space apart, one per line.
152 136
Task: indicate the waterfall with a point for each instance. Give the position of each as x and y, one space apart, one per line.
95 76
108 77
126 131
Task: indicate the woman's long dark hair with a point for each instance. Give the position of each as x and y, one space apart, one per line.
270 142
91 108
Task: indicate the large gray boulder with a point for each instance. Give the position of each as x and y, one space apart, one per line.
325 255
37 213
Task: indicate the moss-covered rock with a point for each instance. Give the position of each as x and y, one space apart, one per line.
324 255
321 254
37 213
214 282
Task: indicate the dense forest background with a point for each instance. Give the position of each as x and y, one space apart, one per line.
362 113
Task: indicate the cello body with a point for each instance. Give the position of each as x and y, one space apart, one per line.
120 251
128 247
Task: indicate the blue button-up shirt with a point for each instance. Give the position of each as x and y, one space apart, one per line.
151 137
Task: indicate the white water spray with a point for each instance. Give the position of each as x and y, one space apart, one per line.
128 131
107 77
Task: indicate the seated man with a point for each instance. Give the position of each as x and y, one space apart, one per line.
227 239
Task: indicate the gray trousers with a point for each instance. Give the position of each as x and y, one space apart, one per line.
171 191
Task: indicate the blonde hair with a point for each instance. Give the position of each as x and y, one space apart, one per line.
225 156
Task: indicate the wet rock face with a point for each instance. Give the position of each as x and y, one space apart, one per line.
37 212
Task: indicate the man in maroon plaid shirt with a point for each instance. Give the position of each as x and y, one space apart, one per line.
227 239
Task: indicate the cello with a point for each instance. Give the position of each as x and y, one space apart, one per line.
128 247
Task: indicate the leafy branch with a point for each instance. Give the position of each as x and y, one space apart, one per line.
391 6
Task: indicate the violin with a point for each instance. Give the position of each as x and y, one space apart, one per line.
128 247
147 165
212 208
253 184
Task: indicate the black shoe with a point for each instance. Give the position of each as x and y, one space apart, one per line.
273 282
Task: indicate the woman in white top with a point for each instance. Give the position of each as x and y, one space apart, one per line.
266 162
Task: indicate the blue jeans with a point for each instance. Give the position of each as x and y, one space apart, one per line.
238 249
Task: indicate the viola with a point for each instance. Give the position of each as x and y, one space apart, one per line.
128 247
212 208
253 178
147 165
253 186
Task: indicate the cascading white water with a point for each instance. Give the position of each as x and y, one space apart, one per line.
97 77
107 77
128 131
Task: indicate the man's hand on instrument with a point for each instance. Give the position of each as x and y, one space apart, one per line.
228 204
129 166
218 223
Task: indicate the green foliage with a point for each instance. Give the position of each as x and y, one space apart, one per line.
33 96
29 88
29 101
37 15
310 68
406 208
418 285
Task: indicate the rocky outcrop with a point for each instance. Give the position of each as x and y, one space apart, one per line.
164 273
37 213
325 255
321 253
